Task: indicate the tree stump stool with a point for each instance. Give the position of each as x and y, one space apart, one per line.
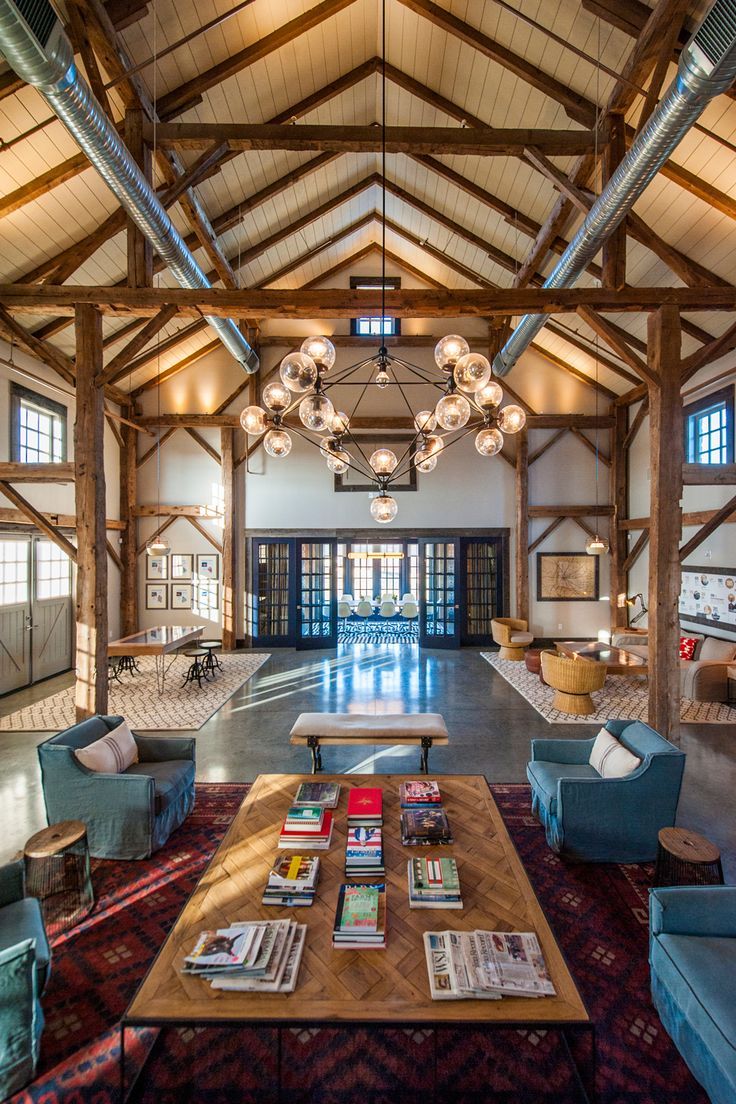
58 874
686 858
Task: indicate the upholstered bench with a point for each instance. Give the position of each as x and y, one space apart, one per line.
316 729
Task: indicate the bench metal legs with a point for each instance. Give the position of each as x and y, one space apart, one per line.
426 745
313 745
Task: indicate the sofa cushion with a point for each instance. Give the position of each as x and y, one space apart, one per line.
170 780
641 650
713 648
609 758
521 638
688 645
699 972
113 754
544 777
23 920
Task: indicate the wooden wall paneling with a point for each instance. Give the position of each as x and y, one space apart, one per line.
91 608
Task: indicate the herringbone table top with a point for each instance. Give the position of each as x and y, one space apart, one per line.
388 986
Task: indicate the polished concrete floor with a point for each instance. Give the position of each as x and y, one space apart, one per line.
490 727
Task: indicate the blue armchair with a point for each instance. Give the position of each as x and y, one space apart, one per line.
25 963
598 819
128 815
692 956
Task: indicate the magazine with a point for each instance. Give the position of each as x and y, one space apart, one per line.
486 965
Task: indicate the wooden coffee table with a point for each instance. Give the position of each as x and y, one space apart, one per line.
617 660
387 988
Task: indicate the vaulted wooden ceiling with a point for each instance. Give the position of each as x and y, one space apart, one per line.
288 204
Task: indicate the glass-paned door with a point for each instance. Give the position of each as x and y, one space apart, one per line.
273 592
52 643
439 620
15 614
316 607
482 588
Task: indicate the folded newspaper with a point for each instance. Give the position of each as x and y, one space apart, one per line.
259 956
485 965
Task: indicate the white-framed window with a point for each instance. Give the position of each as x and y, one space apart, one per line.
375 327
13 572
38 428
709 429
53 571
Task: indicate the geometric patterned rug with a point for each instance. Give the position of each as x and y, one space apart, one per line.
622 698
139 701
366 631
598 914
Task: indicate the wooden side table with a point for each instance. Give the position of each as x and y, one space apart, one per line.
686 858
58 873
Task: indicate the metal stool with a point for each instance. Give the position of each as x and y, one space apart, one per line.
58 873
128 663
113 670
212 663
197 670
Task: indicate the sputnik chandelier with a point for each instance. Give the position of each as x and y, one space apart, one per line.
469 403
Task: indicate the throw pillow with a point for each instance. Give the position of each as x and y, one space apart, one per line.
687 647
112 754
610 758
715 648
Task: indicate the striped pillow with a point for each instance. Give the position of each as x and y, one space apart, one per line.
113 754
610 758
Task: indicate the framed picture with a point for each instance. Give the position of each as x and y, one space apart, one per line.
157 596
182 565
402 445
208 566
708 596
157 567
182 595
567 577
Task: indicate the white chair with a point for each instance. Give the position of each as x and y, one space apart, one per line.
364 608
408 597
343 610
387 597
410 610
388 609
345 598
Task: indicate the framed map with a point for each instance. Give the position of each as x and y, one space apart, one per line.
567 577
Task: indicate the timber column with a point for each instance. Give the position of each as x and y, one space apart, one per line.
620 501
522 524
666 453
229 528
129 545
90 694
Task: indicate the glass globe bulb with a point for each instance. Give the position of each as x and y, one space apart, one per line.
383 379
340 422
489 441
276 396
298 372
452 412
511 419
339 461
329 446
158 546
449 349
383 461
320 349
253 420
384 508
489 395
433 444
596 546
316 412
424 461
472 372
425 421
277 443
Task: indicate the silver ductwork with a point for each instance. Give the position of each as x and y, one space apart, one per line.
33 41
707 67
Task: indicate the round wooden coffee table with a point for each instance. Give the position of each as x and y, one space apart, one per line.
686 858
58 873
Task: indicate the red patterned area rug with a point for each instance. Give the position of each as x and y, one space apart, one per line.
598 913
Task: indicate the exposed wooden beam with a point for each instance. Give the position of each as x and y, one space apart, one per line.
38 519
639 546
204 445
599 455
620 347
707 475
179 366
543 536
619 497
119 366
61 521
641 414
156 533
522 525
694 517
548 444
155 447
139 247
614 248
570 511
188 510
203 532
129 544
710 526
717 348
36 473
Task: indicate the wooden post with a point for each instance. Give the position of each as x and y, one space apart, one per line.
614 249
229 604
91 613
129 546
140 251
620 503
665 464
522 525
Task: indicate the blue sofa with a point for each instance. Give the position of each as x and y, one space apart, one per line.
128 815
598 819
692 956
25 964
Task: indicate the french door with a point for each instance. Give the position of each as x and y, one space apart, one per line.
481 590
316 608
439 603
294 592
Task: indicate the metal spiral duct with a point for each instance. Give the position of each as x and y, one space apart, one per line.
707 68
34 43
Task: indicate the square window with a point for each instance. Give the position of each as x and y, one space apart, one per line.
38 427
709 429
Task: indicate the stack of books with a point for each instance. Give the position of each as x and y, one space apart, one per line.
365 806
434 884
326 794
418 794
260 956
360 919
466 965
307 826
425 826
292 882
364 852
